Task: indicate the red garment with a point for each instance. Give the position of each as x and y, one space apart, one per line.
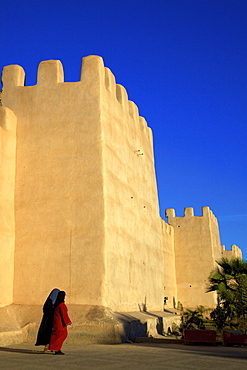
59 331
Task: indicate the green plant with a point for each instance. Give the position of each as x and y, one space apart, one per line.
229 280
193 319
219 317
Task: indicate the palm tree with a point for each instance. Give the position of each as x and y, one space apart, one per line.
193 319
229 280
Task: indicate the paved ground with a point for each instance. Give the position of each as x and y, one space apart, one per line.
125 356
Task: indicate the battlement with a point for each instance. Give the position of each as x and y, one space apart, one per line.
233 252
166 228
189 212
93 75
50 72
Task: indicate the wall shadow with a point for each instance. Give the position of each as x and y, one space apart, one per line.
132 328
236 352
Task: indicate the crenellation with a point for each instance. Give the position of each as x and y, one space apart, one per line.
133 110
122 95
233 252
150 135
143 122
189 212
167 229
236 251
13 75
206 212
50 72
170 213
92 72
110 80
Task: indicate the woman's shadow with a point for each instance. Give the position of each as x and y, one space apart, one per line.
28 351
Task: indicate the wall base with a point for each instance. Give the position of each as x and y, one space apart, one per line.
91 324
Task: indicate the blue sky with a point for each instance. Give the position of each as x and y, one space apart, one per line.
183 62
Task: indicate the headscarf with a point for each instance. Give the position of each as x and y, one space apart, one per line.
53 295
60 298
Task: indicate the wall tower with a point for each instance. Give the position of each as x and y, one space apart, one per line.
83 194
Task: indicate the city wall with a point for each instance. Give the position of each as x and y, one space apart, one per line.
86 205
59 200
132 221
170 287
79 202
234 252
197 247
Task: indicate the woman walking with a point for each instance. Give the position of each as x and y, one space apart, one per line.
60 323
45 329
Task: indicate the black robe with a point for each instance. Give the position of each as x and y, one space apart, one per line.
45 329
